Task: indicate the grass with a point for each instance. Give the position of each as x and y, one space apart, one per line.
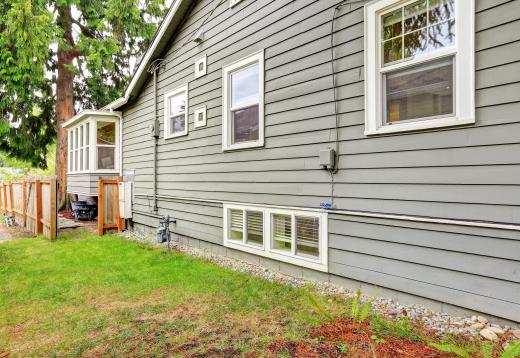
87 296
90 295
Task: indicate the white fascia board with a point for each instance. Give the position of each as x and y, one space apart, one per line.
88 113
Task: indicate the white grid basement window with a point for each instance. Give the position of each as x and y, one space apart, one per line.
243 98
79 148
176 113
294 236
419 64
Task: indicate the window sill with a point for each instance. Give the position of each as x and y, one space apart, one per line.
276 255
177 135
246 145
420 125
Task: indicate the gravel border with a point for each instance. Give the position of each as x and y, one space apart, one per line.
441 323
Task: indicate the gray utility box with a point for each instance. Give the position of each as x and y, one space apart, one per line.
327 158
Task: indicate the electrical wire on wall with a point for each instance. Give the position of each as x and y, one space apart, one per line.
335 168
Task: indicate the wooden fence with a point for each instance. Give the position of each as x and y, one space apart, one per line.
108 206
32 204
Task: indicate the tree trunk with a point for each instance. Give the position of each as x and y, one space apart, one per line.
64 99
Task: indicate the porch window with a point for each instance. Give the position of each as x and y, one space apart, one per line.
86 155
243 115
419 64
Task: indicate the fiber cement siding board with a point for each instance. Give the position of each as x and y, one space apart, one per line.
463 173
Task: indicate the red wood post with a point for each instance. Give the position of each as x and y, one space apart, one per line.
54 212
39 207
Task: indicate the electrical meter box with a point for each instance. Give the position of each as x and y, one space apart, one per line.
327 158
125 200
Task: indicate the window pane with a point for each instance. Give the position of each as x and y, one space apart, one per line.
236 225
177 103
392 24
106 133
87 134
441 10
255 227
415 43
87 159
81 136
307 236
106 157
76 138
420 91
81 159
177 124
245 86
441 35
76 160
393 50
415 16
245 124
281 232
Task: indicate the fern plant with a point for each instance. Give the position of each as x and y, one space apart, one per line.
360 311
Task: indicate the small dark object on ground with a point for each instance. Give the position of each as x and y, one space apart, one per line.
81 210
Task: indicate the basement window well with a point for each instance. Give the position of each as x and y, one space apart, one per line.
93 142
298 237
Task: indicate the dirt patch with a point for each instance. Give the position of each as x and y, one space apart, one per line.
347 338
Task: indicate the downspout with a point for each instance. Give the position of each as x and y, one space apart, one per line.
155 127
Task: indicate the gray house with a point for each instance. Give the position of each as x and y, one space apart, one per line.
371 144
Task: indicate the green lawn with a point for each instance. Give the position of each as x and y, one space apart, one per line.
87 296
82 295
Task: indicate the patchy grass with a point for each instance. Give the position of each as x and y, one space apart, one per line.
87 296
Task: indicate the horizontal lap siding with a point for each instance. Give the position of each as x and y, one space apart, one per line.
468 173
82 184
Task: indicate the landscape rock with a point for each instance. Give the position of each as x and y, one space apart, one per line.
497 330
477 326
489 335
483 320
516 333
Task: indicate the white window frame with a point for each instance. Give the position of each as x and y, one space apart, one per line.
226 102
464 63
199 73
71 153
167 113
92 147
115 145
319 264
233 2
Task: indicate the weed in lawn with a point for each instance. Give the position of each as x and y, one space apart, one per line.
360 311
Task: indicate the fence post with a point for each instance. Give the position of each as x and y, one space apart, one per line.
39 207
54 213
101 209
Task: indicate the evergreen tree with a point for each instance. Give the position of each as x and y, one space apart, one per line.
60 56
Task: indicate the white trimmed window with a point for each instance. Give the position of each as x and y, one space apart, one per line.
419 64
297 237
79 148
243 103
93 146
176 113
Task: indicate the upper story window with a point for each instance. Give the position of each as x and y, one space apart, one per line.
295 236
176 113
93 145
419 69
243 112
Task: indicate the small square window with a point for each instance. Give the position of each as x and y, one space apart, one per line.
200 67
200 117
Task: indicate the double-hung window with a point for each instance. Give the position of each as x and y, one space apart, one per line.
295 236
243 103
419 61
176 113
106 145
